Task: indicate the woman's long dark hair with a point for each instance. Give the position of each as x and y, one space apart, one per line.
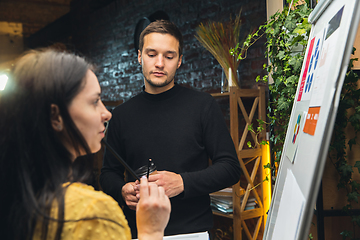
34 163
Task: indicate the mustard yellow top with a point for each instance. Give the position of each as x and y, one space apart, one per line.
82 201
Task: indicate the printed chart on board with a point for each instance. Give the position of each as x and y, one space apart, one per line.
313 79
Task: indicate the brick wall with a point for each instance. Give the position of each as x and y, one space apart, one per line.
106 36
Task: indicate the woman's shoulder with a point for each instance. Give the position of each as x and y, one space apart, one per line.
78 190
85 200
100 214
85 195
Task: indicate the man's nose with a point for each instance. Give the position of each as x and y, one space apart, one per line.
159 61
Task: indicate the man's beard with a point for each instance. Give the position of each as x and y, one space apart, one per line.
159 85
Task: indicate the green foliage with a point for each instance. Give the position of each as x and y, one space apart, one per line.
348 115
311 236
356 219
287 34
357 165
259 129
346 234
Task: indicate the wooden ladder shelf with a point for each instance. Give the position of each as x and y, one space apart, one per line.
250 222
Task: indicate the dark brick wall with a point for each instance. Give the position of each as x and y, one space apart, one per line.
106 36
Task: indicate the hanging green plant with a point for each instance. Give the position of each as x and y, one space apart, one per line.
348 115
287 33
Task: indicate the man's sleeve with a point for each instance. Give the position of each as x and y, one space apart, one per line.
225 170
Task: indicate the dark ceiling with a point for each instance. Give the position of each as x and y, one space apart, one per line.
33 14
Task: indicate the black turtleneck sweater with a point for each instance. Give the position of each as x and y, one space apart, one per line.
179 129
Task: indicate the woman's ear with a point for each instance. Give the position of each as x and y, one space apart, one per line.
55 118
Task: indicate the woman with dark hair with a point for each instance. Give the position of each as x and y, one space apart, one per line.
51 121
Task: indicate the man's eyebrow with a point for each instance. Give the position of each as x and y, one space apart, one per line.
149 50
172 52
153 50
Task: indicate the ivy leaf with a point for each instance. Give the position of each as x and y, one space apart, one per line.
353 196
346 208
346 234
278 156
292 80
300 31
357 165
267 166
356 219
355 117
351 142
281 55
282 104
355 185
249 144
290 24
261 122
296 62
340 185
250 128
346 170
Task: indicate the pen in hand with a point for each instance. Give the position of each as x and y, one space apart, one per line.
148 169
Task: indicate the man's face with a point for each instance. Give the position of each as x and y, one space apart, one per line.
159 59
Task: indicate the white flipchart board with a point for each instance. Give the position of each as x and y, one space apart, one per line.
334 26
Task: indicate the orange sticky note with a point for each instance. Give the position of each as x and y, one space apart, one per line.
311 120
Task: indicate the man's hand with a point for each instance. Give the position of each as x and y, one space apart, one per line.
171 182
129 194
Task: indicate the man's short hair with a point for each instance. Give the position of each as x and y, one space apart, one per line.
164 27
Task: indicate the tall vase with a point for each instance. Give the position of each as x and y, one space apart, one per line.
224 83
227 81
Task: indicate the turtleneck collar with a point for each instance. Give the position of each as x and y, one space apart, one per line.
162 96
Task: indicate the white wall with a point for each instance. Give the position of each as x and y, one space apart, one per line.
272 6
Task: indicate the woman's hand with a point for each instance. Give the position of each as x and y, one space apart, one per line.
152 211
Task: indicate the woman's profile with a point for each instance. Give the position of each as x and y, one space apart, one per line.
51 121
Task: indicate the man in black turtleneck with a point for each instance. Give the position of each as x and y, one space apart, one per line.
179 129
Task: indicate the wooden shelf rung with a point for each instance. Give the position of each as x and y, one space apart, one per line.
248 92
225 94
249 153
252 213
